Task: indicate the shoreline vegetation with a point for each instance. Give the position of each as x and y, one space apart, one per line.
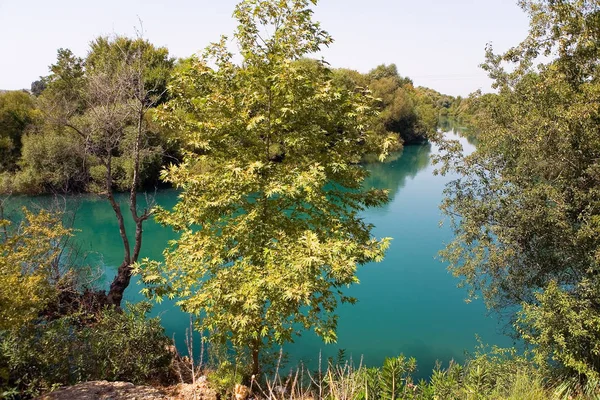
45 153
266 154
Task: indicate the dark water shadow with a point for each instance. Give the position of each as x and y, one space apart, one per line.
400 167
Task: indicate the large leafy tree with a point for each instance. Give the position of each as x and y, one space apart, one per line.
271 185
528 200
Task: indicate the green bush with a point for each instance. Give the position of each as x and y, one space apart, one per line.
117 346
51 161
224 378
564 328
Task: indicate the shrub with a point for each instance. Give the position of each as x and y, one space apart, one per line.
124 346
51 161
224 378
28 255
564 326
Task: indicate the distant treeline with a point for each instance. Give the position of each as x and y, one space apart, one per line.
43 152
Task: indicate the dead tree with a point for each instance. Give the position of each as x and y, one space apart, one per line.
108 109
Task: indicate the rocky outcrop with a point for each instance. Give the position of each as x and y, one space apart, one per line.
103 390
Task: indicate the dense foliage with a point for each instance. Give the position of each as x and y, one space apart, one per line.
57 139
54 327
116 346
17 112
29 267
98 107
527 206
410 113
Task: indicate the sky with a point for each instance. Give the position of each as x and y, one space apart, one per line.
437 43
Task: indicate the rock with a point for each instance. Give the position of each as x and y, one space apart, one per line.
189 391
241 392
103 390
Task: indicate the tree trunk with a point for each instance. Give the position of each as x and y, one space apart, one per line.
255 361
121 281
123 278
119 284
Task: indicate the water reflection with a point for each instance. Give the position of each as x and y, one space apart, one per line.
399 167
458 127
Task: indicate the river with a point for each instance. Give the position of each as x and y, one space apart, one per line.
408 303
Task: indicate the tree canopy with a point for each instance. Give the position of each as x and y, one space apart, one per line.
526 208
410 113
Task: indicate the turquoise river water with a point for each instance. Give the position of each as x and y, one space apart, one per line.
408 303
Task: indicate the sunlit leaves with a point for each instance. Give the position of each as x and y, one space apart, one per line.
28 266
271 183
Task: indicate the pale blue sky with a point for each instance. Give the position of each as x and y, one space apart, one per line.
438 43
